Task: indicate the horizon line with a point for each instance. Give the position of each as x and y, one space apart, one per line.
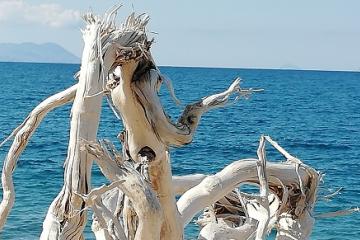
215 67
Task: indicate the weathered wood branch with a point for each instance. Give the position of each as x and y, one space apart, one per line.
109 226
61 222
22 135
182 132
262 214
101 39
111 201
213 188
148 130
220 230
140 193
139 203
183 183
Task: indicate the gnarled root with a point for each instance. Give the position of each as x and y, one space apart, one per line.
286 190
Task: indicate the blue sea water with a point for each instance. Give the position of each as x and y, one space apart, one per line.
315 115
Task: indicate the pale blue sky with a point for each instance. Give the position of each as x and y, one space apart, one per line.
317 34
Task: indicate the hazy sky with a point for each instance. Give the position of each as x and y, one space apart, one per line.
309 34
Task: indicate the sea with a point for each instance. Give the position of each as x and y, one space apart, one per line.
315 115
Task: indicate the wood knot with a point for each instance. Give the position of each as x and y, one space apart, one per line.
148 153
191 119
121 136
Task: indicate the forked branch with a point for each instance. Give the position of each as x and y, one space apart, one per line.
277 182
182 132
142 197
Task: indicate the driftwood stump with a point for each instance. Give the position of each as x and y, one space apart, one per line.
140 202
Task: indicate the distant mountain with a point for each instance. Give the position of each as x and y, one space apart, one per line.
31 52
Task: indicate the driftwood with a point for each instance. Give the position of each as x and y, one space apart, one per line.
139 202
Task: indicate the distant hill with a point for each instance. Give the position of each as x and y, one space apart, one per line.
31 52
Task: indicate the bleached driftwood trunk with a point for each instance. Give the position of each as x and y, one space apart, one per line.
139 203
61 222
102 40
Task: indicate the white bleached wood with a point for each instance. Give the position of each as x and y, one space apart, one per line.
146 126
161 180
183 131
129 219
112 220
230 221
102 40
290 227
142 197
85 115
109 226
183 183
287 214
263 211
22 135
212 188
140 201
139 134
221 231
111 201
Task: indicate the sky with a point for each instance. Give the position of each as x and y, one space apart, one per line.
307 34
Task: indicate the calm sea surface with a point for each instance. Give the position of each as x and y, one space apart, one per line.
315 115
